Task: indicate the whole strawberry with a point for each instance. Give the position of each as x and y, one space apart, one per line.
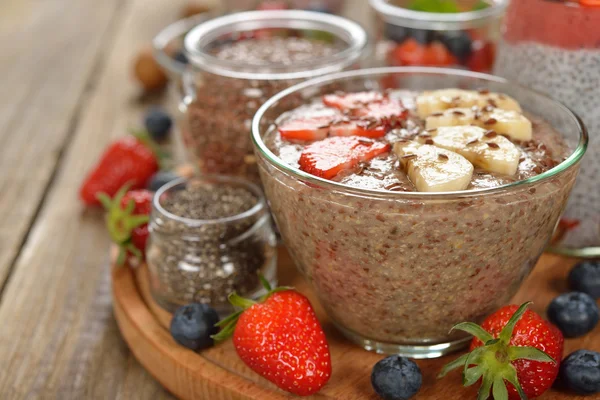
131 159
515 354
281 339
127 220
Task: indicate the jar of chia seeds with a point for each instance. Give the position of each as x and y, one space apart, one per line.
559 55
209 236
239 61
449 33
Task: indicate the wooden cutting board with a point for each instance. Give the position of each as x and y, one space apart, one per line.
218 374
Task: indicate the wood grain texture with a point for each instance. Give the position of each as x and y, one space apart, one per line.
49 51
218 373
59 339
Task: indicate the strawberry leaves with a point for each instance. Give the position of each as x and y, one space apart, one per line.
492 363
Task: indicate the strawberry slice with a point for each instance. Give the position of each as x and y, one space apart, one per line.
357 128
350 101
384 110
307 129
328 157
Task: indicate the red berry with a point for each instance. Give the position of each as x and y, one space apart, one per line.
437 55
328 157
531 348
307 129
350 101
483 57
409 52
282 340
128 160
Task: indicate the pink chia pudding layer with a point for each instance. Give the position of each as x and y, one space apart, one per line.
390 261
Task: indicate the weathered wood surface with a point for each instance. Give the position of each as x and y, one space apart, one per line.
66 92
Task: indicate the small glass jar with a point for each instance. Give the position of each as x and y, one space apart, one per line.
203 260
559 55
465 39
240 60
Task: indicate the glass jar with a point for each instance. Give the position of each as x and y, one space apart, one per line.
328 6
388 280
193 259
560 56
239 61
465 39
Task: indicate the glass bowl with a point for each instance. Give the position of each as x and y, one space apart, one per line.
464 40
396 270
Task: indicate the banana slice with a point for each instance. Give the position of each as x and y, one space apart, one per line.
432 169
485 149
436 101
511 123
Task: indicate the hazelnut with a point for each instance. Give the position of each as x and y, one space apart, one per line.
148 72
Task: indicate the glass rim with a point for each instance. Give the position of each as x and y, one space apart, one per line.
353 34
437 21
171 32
278 163
193 222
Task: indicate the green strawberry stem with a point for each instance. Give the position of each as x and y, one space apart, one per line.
228 324
121 222
492 363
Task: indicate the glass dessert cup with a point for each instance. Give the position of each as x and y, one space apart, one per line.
328 6
564 44
416 38
204 260
396 270
222 95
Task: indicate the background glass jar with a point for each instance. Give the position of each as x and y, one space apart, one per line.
239 61
559 54
329 6
204 259
465 39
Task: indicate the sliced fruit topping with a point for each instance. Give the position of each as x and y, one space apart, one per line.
307 129
280 338
574 313
410 52
396 377
515 354
350 101
432 169
358 128
484 148
388 111
511 123
328 157
580 372
431 102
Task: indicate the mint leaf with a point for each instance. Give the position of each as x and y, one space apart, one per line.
434 6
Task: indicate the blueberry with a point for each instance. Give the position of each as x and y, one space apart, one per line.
580 372
423 36
396 33
160 179
575 313
181 57
158 123
193 324
459 43
585 277
396 378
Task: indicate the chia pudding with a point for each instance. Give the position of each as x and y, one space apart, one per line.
564 46
240 69
404 230
209 237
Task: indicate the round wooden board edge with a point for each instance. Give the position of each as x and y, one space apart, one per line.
183 372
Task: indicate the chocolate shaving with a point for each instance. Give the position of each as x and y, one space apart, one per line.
408 156
490 121
458 113
472 142
492 103
442 157
493 145
484 91
428 141
491 134
365 141
437 114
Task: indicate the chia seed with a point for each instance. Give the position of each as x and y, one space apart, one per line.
201 248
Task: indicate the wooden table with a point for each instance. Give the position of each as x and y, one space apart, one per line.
66 86
66 92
